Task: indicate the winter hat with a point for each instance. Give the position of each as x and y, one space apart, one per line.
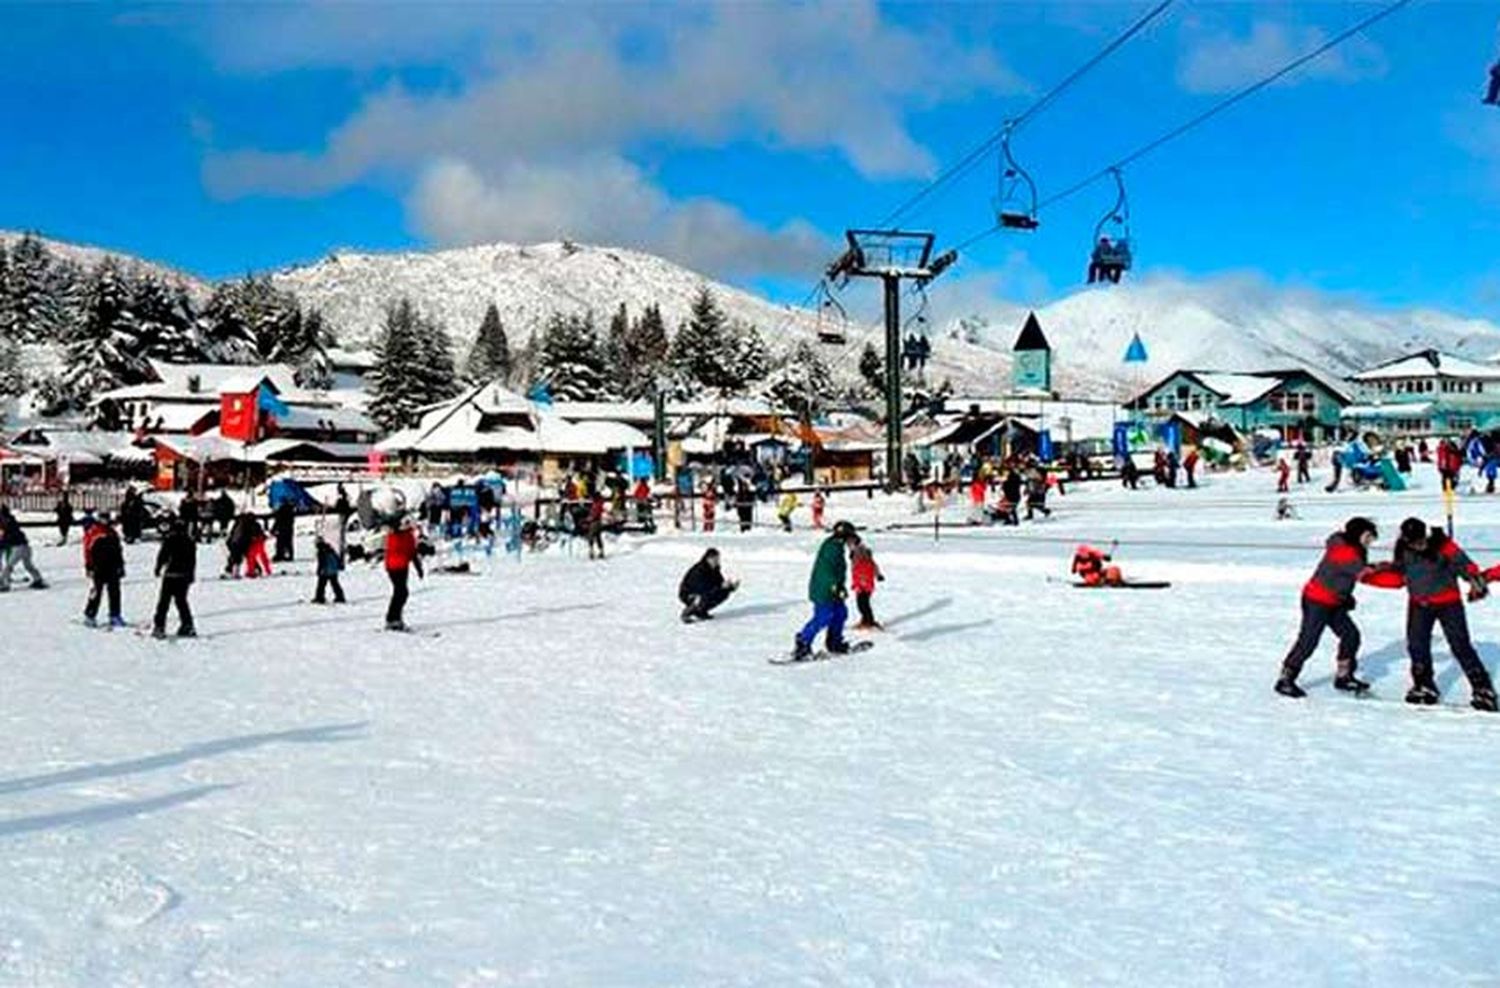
1356 527
1413 530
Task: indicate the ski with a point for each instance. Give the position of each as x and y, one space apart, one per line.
413 632
1127 585
822 655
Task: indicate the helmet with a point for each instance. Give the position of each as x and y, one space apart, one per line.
843 530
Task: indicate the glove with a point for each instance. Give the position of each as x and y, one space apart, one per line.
1350 604
880 578
1479 588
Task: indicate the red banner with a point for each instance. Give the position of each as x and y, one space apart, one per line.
237 414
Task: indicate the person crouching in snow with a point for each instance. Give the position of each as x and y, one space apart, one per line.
400 556
703 588
1089 565
1429 564
1327 599
329 564
864 573
827 592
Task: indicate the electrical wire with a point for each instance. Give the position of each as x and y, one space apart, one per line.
982 149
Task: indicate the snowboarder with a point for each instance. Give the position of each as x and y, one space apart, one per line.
329 564
1429 564
104 565
64 512
284 527
703 588
1327 599
401 556
864 573
176 565
1090 566
826 591
784 509
16 549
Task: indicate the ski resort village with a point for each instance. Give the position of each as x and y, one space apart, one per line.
825 494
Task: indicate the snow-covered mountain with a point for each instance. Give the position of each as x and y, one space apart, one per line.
87 257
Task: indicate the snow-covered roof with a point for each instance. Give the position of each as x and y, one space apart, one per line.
178 380
460 429
180 418
272 449
1395 410
213 448
68 442
1429 363
608 411
1237 389
341 419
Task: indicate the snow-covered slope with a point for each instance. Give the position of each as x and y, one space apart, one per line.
87 257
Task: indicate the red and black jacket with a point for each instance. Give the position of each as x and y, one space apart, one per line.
1332 583
1429 576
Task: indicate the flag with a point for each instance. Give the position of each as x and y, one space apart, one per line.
267 401
1136 352
237 415
539 393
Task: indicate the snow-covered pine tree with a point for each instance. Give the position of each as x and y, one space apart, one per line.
12 376
224 326
397 388
7 311
801 383
872 369
436 373
166 327
570 361
619 367
314 369
489 358
105 351
37 313
751 357
703 350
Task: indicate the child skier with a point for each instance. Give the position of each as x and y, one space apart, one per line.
703 588
176 565
827 592
784 509
329 564
1283 475
710 503
400 556
819 502
864 573
1327 599
104 564
1430 564
1089 565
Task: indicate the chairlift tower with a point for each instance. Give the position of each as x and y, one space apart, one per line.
893 256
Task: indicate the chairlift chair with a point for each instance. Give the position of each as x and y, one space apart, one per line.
832 330
1015 200
1111 255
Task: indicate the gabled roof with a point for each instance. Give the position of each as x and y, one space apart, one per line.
1429 363
1032 337
1236 388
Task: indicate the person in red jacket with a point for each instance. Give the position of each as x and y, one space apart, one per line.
1089 565
710 502
1283 476
864 573
1429 565
1450 463
1327 599
401 556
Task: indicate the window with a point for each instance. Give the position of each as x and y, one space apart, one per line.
1460 424
1309 403
1275 401
1197 403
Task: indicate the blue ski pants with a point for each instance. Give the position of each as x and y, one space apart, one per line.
826 614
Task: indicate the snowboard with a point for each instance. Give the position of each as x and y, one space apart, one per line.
413 632
822 655
1127 585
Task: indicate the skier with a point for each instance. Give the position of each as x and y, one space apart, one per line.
329 564
176 565
16 549
827 592
64 512
594 526
784 508
819 503
1303 456
643 515
223 512
1036 495
864 573
1190 467
744 505
256 561
284 527
703 588
104 565
1283 475
1430 564
1450 463
710 503
1327 599
401 556
1089 566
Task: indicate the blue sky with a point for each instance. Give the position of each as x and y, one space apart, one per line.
742 138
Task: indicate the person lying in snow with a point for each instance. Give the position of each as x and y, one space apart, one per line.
1089 565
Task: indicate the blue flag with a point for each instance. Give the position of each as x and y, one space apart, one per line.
540 394
266 401
1120 442
1044 445
1136 352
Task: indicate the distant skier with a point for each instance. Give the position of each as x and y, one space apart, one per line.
1091 566
132 516
1284 510
643 514
1327 600
594 526
329 565
104 565
744 505
827 591
819 504
284 527
401 556
1450 464
223 512
864 573
176 565
785 507
704 588
1303 456
64 512
1429 565
1190 467
16 549
710 506
1283 475
257 563
1036 495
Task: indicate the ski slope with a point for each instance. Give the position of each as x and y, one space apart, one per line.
1023 784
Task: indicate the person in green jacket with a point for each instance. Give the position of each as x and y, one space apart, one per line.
827 591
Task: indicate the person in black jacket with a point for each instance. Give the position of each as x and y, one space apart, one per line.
284 527
104 562
703 588
64 512
177 565
223 512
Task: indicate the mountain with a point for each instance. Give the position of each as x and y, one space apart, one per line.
87 257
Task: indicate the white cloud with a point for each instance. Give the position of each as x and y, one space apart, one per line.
1222 62
604 199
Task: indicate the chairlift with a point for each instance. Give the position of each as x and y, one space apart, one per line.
833 320
1015 201
915 345
1111 255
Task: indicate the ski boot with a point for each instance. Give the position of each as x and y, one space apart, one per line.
116 622
395 626
1350 683
39 584
801 650
1289 688
1423 695
160 634
89 622
839 647
187 633
1484 699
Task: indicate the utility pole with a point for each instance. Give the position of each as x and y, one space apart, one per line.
893 256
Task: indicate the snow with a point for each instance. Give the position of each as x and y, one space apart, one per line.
1023 784
1418 365
1237 389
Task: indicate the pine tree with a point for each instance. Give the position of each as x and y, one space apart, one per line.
872 368
12 377
571 361
397 388
644 352
752 358
619 362
489 359
801 383
105 352
314 370
37 313
166 328
435 371
704 351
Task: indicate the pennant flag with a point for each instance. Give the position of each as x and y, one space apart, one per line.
540 394
1136 352
267 401
1044 445
1120 441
